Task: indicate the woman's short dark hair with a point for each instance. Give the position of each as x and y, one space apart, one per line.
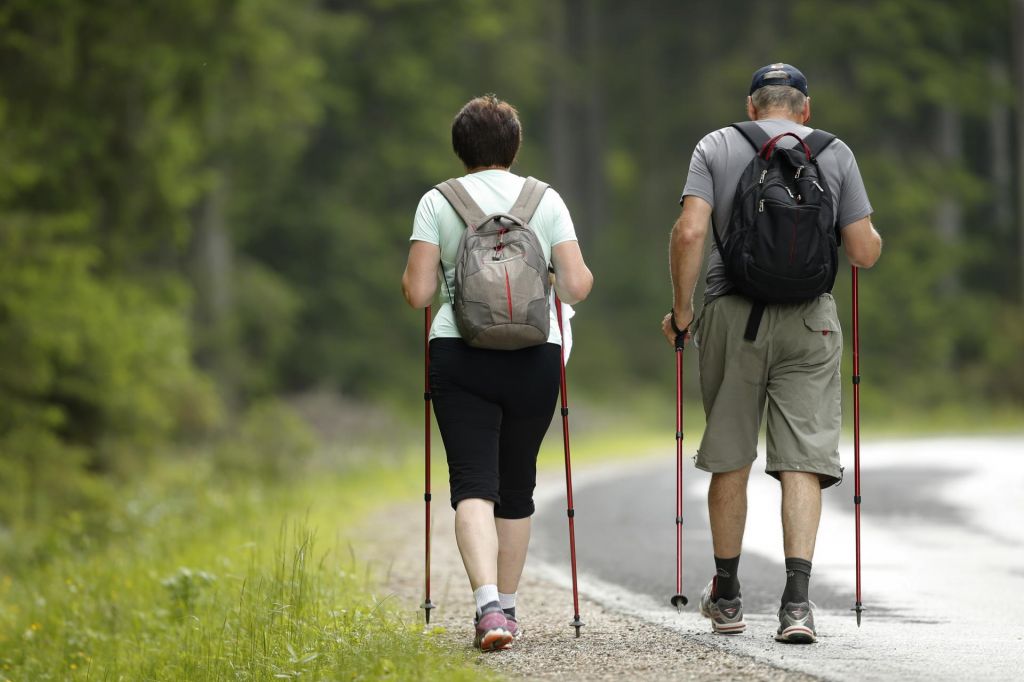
486 132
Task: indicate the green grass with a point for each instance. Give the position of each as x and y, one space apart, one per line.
190 576
948 420
204 581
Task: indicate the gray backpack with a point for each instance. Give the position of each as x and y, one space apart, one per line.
501 275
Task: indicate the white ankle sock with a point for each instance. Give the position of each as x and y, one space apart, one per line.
507 601
484 595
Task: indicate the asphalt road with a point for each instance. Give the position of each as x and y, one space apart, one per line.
942 553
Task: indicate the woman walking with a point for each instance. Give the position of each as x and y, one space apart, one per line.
493 406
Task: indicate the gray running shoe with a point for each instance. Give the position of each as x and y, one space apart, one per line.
796 623
726 614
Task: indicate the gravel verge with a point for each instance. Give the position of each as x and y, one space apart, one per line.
613 645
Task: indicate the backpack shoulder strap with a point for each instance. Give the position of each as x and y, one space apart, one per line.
459 198
818 140
529 199
753 133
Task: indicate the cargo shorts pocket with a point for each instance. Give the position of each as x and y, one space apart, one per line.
822 340
822 325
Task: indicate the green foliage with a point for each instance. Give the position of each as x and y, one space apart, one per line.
125 131
272 443
210 581
206 204
93 365
929 325
337 229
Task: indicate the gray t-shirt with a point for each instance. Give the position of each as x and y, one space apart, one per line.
719 160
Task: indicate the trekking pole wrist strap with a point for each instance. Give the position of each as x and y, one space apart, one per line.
680 333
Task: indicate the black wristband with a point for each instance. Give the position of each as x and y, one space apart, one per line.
680 333
675 327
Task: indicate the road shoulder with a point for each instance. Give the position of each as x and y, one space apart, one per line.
613 645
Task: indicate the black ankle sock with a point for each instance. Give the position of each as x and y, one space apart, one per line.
728 584
798 574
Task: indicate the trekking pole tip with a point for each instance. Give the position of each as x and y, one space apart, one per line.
679 601
427 606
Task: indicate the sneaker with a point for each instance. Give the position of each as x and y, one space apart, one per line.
513 625
492 631
796 623
726 614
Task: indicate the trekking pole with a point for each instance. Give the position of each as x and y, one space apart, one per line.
858 607
679 600
427 604
576 622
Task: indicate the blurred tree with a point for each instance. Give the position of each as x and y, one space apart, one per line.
917 109
337 230
232 182
118 123
1017 40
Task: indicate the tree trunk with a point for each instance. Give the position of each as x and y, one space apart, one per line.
213 257
1000 153
212 265
1017 41
593 149
559 118
949 217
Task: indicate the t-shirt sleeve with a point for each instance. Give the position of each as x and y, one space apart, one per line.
560 227
853 197
424 225
698 180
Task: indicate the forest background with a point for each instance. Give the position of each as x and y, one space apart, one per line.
205 208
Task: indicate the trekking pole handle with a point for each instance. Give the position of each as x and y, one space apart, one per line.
680 333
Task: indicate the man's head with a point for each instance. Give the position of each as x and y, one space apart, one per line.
779 90
486 133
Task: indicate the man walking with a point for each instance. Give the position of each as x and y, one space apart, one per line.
755 354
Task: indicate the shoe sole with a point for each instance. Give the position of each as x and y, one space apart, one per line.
796 634
494 640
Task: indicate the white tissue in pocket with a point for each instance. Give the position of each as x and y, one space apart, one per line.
567 314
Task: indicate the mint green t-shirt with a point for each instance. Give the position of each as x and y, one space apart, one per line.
495 191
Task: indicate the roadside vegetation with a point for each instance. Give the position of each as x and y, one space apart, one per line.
234 563
195 571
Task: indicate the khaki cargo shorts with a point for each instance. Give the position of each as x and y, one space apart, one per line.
792 366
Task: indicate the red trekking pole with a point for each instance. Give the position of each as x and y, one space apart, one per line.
576 622
679 600
858 607
427 604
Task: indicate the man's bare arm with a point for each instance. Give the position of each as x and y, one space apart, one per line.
862 243
686 254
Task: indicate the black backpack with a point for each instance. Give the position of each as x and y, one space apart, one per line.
783 243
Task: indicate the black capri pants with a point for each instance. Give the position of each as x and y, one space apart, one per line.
493 408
